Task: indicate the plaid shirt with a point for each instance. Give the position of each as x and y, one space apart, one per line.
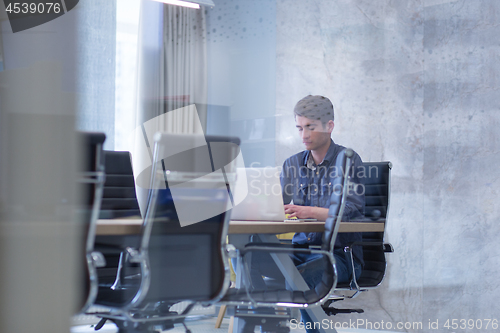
307 184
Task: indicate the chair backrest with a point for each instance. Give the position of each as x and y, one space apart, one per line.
332 223
91 181
337 199
377 187
186 221
119 197
377 192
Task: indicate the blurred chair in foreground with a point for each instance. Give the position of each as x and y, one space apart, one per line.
181 253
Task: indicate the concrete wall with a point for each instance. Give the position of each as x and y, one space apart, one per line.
414 82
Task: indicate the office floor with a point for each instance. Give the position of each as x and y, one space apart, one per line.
205 325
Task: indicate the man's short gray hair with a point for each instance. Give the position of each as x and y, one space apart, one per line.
315 108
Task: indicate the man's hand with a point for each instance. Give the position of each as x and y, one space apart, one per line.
306 212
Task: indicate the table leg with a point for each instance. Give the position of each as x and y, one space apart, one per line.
296 282
220 316
289 271
238 241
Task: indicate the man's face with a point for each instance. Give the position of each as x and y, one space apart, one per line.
314 134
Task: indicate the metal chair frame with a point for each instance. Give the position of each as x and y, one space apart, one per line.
132 311
93 258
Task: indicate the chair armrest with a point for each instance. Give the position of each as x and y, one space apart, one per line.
284 245
133 255
130 255
98 259
232 251
281 248
388 248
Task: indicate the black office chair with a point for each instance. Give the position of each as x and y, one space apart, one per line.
119 201
91 182
119 197
181 250
377 194
268 300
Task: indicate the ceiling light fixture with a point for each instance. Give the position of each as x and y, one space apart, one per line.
189 3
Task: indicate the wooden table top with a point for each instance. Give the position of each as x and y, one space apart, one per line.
133 226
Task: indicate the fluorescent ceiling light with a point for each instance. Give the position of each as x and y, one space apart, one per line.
189 3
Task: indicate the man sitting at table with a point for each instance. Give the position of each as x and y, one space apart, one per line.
306 181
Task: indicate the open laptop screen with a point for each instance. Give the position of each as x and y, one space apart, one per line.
257 195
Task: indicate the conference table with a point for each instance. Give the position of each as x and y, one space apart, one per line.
239 234
133 226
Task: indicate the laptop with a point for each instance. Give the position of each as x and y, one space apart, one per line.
257 196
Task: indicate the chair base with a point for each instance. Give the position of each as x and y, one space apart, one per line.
127 327
140 327
330 310
155 319
268 325
270 320
333 311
